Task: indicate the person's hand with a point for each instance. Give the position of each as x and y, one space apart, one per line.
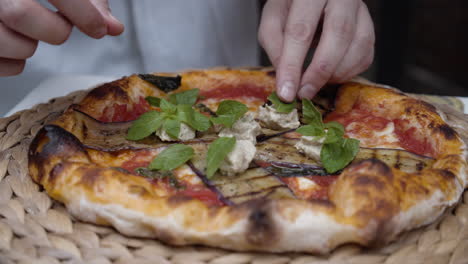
345 48
25 22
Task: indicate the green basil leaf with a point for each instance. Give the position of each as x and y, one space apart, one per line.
335 132
335 156
154 101
310 130
172 128
167 107
197 121
188 97
202 123
310 114
217 152
163 83
172 157
279 105
146 124
229 111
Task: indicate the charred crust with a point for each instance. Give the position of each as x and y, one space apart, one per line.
111 88
261 230
447 132
51 141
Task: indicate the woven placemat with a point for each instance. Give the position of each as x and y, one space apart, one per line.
36 229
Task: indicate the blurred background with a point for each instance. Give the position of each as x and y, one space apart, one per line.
421 45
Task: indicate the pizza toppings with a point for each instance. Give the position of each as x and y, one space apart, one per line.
184 132
245 128
172 157
238 160
311 146
228 112
217 152
279 115
335 151
164 83
273 119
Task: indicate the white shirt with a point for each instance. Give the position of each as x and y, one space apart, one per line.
160 35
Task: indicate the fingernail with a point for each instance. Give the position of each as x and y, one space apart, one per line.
286 90
307 91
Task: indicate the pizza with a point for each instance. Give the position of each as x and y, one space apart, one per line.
213 157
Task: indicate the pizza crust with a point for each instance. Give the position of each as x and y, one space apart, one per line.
370 203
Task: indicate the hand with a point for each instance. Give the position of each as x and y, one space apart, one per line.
25 22
345 49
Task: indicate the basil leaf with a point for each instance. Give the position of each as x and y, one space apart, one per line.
279 105
154 101
217 152
229 111
202 123
335 132
310 130
335 156
163 83
194 119
167 107
310 114
172 157
188 97
172 128
146 124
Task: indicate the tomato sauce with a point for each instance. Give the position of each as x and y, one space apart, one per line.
411 140
365 124
203 194
121 113
234 91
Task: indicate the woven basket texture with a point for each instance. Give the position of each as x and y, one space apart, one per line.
36 229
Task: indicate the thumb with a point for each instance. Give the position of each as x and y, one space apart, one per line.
114 26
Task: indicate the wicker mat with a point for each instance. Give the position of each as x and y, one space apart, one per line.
35 229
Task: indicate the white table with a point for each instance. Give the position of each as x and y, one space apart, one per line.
65 84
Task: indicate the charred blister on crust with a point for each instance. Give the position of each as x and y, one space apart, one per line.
110 89
375 165
448 132
262 230
51 141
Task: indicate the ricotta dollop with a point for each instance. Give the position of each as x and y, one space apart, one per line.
246 128
239 158
311 146
273 119
186 133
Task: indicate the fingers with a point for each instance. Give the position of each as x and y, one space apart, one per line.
14 45
270 32
301 24
29 18
114 27
10 67
338 31
360 53
84 15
